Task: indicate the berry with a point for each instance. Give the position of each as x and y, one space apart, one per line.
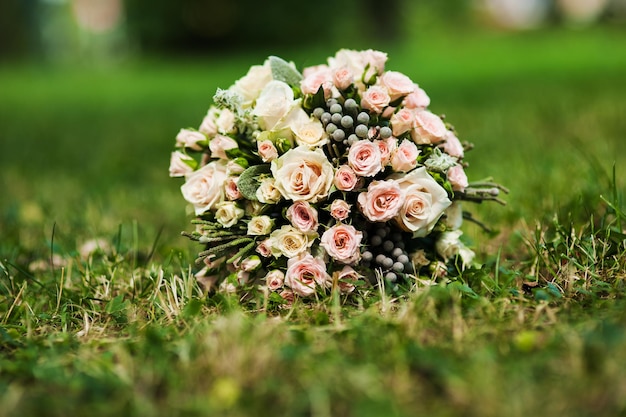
361 131
318 112
385 132
363 118
330 128
388 246
336 108
325 118
347 121
336 118
376 240
339 135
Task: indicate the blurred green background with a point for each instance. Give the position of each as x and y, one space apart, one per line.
93 92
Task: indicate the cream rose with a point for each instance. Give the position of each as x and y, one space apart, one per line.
382 201
250 86
404 158
458 179
364 158
345 178
424 202
340 209
304 273
429 128
220 144
402 121
190 139
274 104
303 217
260 225
205 187
274 279
267 150
308 131
178 166
289 241
375 99
449 245
228 213
342 242
268 193
397 84
303 175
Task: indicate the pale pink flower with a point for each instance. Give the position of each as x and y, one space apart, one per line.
209 124
364 158
264 248
346 279
178 166
205 187
342 242
303 216
457 177
386 148
418 99
382 201
404 158
397 84
402 121
342 78
274 279
302 174
220 144
267 150
231 190
316 77
375 99
452 146
429 128
190 139
339 209
345 178
250 264
304 273
288 296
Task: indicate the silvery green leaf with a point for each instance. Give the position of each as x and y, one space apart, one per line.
284 71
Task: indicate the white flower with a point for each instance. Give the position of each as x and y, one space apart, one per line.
308 131
260 225
303 175
449 245
268 193
178 166
205 187
250 86
228 213
226 122
274 105
290 242
190 139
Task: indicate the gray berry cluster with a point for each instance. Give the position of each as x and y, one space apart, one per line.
344 122
386 251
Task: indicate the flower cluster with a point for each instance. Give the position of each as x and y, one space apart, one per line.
325 179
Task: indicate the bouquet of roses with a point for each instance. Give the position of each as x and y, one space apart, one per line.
329 179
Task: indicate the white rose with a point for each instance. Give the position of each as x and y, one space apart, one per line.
190 139
303 175
260 225
274 105
267 192
290 242
226 122
205 187
228 213
308 131
178 166
208 125
449 245
424 202
220 144
250 86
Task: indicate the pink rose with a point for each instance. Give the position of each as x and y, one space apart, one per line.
191 139
364 158
402 121
303 216
397 84
304 272
178 166
452 146
339 209
429 128
345 178
404 158
209 123
386 147
231 190
264 248
346 279
375 99
382 201
274 279
342 242
317 76
342 78
457 177
220 144
418 99
288 296
267 150
250 264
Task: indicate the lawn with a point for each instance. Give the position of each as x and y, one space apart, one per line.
540 329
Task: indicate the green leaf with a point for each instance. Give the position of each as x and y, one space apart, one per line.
283 71
315 100
249 180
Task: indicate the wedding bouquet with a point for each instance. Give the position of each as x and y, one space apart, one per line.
339 176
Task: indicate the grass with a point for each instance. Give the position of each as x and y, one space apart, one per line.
125 330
